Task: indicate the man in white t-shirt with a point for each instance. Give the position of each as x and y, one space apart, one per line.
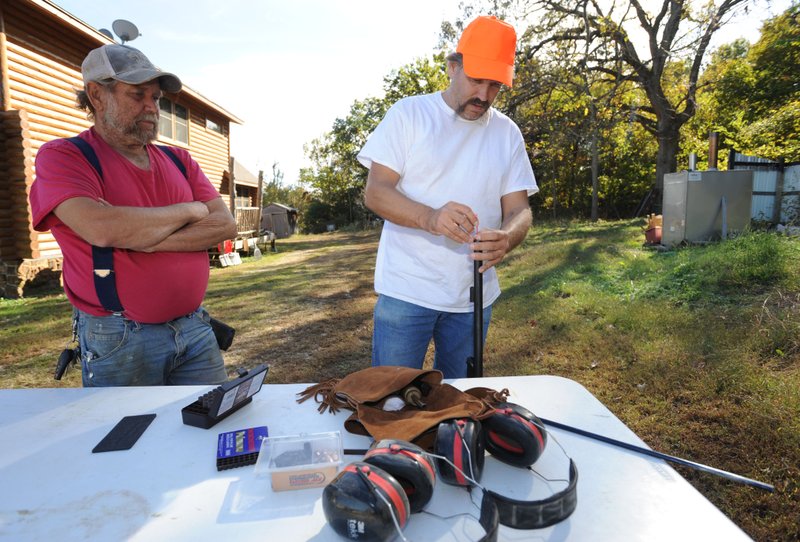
451 177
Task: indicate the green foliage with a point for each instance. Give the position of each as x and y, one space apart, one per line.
718 273
317 217
775 135
752 94
746 265
422 76
776 61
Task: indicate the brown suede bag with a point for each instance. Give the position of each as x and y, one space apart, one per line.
365 392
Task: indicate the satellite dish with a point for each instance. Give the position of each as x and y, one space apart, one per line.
107 33
126 30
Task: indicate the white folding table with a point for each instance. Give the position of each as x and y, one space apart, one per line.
52 487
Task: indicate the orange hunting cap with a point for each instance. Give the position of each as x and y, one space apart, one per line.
487 47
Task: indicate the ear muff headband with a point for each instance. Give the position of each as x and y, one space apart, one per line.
389 489
417 457
519 439
514 435
461 441
542 513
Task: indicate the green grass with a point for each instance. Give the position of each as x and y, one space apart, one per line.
696 349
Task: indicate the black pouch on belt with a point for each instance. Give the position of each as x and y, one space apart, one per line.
223 332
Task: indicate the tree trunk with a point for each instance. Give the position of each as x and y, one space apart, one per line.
595 161
667 157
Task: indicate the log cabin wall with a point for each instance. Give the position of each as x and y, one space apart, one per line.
41 71
41 50
210 149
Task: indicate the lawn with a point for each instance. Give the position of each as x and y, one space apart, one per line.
696 349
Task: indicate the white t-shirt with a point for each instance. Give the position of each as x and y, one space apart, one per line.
442 157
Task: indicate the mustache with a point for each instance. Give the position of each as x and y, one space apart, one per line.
480 103
147 118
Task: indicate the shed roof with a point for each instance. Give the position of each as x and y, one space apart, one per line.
242 175
281 206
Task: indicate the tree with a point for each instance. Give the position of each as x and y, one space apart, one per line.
775 101
675 31
336 177
274 191
751 94
724 84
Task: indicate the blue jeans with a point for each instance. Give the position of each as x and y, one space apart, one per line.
402 332
116 351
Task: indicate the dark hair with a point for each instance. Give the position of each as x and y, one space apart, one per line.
83 101
458 58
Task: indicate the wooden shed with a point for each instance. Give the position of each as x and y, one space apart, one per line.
280 219
41 50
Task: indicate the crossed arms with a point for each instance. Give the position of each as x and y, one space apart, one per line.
182 227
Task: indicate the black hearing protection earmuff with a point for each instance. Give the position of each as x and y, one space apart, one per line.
514 435
410 467
365 503
460 441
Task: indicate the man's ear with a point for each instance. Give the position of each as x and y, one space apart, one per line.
96 94
451 68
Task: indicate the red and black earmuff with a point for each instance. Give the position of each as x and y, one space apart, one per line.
461 441
410 467
365 503
514 435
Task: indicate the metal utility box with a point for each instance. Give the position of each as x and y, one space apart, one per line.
697 204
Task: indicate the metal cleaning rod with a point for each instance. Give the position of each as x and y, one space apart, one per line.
666 457
477 329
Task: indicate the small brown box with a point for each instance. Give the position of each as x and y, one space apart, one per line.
302 479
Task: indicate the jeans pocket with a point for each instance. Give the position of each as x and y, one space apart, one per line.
102 336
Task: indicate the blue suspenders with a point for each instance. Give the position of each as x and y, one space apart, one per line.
103 257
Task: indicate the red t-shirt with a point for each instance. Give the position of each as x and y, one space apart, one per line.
152 287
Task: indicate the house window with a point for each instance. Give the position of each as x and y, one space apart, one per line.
174 121
214 127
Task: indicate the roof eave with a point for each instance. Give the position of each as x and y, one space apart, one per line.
101 39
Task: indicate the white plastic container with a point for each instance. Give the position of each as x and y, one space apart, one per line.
300 461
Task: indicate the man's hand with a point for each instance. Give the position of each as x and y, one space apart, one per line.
490 247
453 220
197 209
214 225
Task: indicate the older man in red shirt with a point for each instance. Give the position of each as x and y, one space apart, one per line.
154 213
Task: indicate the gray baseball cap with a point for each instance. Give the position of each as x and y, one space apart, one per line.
126 64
